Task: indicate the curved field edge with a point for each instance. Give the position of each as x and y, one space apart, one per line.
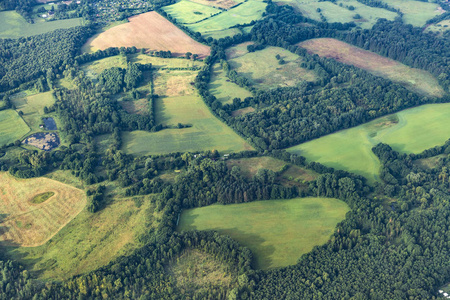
27 224
278 232
12 127
417 80
410 131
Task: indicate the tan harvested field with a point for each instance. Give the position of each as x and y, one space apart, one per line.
26 224
417 80
150 31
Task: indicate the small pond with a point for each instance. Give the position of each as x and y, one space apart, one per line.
49 123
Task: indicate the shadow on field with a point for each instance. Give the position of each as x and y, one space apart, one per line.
162 116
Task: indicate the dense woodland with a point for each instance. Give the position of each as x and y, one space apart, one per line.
393 243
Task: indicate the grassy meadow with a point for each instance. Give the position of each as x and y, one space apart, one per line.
340 11
29 222
94 68
160 63
440 27
416 13
32 107
250 166
416 80
187 12
12 127
225 4
407 131
223 89
244 13
278 232
89 241
174 83
206 133
13 25
263 70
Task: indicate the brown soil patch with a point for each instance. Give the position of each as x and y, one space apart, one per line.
416 80
151 31
139 107
242 111
26 224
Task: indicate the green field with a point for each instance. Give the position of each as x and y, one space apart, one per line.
12 127
244 13
415 13
440 27
158 62
206 133
13 25
264 71
187 12
93 69
33 107
223 89
340 12
278 232
90 240
220 34
410 131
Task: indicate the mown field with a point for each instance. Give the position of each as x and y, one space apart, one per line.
226 4
13 25
174 83
415 13
206 133
242 14
151 31
32 107
341 11
28 224
278 232
263 69
417 80
89 241
12 127
222 87
410 131
187 12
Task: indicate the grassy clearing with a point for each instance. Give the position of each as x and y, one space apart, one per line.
244 13
158 62
242 111
151 31
196 270
440 27
417 80
187 12
90 240
93 69
33 107
263 69
223 89
13 25
174 83
28 222
206 133
12 127
220 34
416 13
277 231
407 131
340 12
249 166
139 107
